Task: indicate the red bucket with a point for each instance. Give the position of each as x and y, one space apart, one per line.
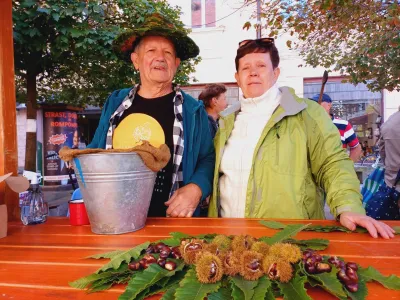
77 213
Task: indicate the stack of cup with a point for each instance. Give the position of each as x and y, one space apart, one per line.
78 214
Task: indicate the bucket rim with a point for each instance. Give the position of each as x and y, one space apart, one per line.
107 153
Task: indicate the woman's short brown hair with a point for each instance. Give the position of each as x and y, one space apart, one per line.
211 91
257 46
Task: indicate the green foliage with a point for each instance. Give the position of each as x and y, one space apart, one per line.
359 38
260 291
246 286
294 289
224 293
315 244
368 274
66 45
110 255
146 279
125 256
289 231
191 288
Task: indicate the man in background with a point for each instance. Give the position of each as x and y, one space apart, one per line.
214 99
347 134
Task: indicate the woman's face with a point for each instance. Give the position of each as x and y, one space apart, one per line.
255 74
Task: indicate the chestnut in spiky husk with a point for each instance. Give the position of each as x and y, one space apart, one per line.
190 249
170 265
251 265
260 247
231 264
134 266
209 268
212 248
242 243
222 241
277 268
289 252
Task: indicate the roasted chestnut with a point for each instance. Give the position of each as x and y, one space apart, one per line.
353 287
150 249
352 265
159 246
161 262
165 252
323 267
134 266
170 265
176 253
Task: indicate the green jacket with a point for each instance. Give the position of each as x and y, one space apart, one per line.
298 155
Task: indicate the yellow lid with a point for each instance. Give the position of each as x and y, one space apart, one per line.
136 128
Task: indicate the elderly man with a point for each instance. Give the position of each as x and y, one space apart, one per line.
156 50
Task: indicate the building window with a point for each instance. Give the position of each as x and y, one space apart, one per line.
203 13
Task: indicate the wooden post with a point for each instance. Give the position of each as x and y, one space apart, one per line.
8 120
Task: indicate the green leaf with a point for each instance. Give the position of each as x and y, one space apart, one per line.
315 244
126 256
83 282
223 293
43 10
110 254
56 17
171 242
396 229
170 293
287 232
294 289
260 291
246 286
272 224
390 282
179 235
191 288
147 278
237 293
328 281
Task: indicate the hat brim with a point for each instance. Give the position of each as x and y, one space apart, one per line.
124 44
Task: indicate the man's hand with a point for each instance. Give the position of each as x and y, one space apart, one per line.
351 220
184 201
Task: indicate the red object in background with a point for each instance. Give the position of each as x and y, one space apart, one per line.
77 213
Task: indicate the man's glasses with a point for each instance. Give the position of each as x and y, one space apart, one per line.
260 42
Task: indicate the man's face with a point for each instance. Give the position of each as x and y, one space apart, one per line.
327 106
156 60
256 74
75 138
220 102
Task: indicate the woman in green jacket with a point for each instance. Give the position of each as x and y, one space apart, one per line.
276 152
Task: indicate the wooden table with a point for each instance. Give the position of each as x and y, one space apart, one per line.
38 261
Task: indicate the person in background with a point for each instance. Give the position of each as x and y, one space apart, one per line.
275 152
214 99
364 148
347 135
156 49
389 148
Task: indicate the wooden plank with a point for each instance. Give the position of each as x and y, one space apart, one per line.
8 120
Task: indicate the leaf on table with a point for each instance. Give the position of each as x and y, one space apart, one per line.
328 281
237 293
171 242
170 293
224 293
125 256
273 224
101 286
111 254
179 235
147 278
391 282
315 244
246 286
260 291
288 232
361 293
396 229
84 282
208 237
191 288
294 289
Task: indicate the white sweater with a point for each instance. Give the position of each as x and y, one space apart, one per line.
238 153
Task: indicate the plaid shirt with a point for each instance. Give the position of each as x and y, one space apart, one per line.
177 175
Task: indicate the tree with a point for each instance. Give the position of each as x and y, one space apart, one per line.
63 52
359 38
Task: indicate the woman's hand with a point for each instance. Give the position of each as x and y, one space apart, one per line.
351 220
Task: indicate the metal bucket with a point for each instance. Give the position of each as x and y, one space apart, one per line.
117 190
